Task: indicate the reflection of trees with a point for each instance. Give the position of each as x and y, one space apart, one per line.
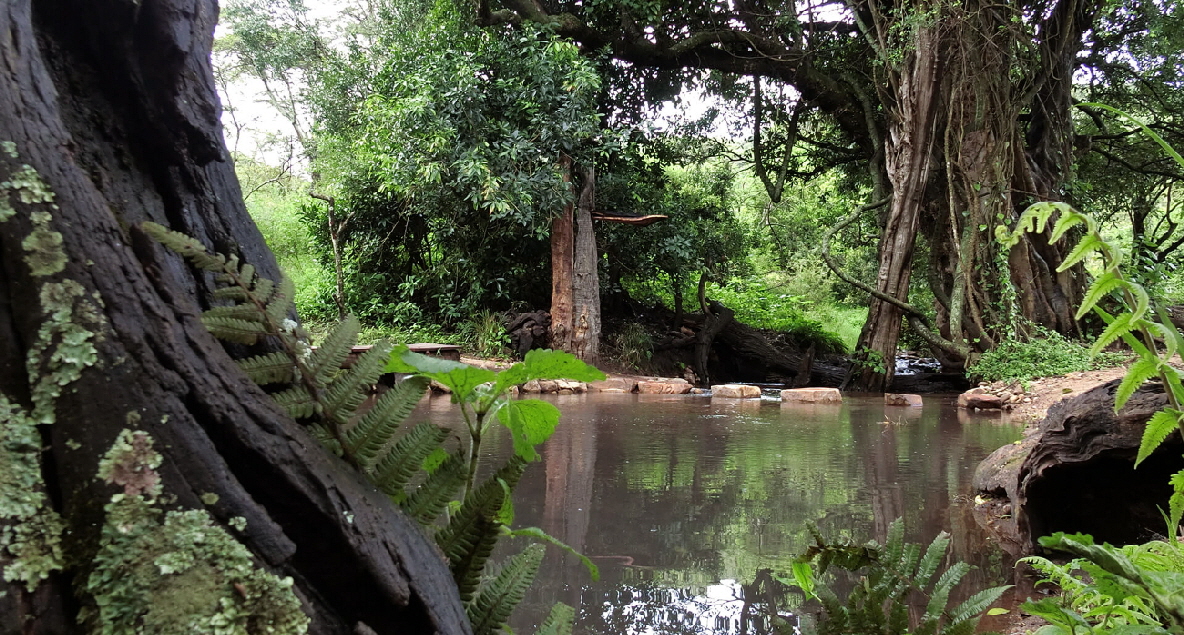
679 494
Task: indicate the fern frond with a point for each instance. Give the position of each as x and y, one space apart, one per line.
429 499
468 540
1101 287
246 274
237 294
976 604
497 599
281 301
894 545
376 428
397 467
234 330
244 312
559 621
187 247
351 386
1176 508
1139 372
941 591
262 290
1088 244
273 368
331 353
932 559
1159 426
297 402
322 434
1120 326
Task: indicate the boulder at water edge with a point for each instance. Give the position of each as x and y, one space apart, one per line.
896 399
1074 472
664 386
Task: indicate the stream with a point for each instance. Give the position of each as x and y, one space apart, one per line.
682 500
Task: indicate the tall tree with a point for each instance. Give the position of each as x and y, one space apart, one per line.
960 109
108 118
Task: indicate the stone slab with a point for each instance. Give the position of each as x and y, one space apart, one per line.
812 395
899 399
735 391
663 387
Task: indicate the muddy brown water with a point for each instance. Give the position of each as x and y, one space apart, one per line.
683 500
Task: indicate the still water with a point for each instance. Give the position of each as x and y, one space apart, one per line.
683 500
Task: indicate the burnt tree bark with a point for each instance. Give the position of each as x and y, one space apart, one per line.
112 105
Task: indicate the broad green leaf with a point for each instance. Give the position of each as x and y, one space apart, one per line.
803 578
1139 372
546 364
542 536
461 379
530 422
997 611
1159 426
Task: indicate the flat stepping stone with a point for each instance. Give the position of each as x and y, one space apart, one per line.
613 384
811 395
735 391
664 387
902 399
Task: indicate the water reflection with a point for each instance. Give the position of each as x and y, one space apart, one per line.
682 501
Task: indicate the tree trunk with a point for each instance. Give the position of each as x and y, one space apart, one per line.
111 105
908 155
585 337
562 263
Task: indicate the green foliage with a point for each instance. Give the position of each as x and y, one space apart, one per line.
633 346
1046 354
759 304
888 576
485 335
1105 589
408 463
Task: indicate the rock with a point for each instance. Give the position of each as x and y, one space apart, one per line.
812 395
1074 472
613 384
532 386
897 399
664 387
614 390
971 399
438 387
735 391
700 391
548 386
572 386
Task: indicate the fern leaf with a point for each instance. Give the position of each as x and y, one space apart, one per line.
429 499
322 434
376 428
234 330
1176 507
244 312
351 387
932 559
1159 426
262 290
247 274
468 539
1086 246
231 293
559 621
941 591
187 247
281 302
976 604
1101 287
1120 326
397 467
273 368
297 402
1069 219
1139 372
894 546
331 353
497 599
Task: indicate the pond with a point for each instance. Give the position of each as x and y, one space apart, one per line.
681 500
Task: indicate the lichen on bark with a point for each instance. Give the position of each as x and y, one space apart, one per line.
176 571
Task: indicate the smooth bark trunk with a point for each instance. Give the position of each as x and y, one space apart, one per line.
585 338
562 263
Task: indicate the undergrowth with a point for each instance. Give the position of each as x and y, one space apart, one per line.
1047 354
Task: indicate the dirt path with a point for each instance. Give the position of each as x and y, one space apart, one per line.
1044 392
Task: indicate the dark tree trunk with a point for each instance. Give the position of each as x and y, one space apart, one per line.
562 262
112 104
585 284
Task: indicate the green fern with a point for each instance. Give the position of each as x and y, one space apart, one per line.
372 433
404 460
559 621
468 539
890 575
441 485
497 599
272 368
